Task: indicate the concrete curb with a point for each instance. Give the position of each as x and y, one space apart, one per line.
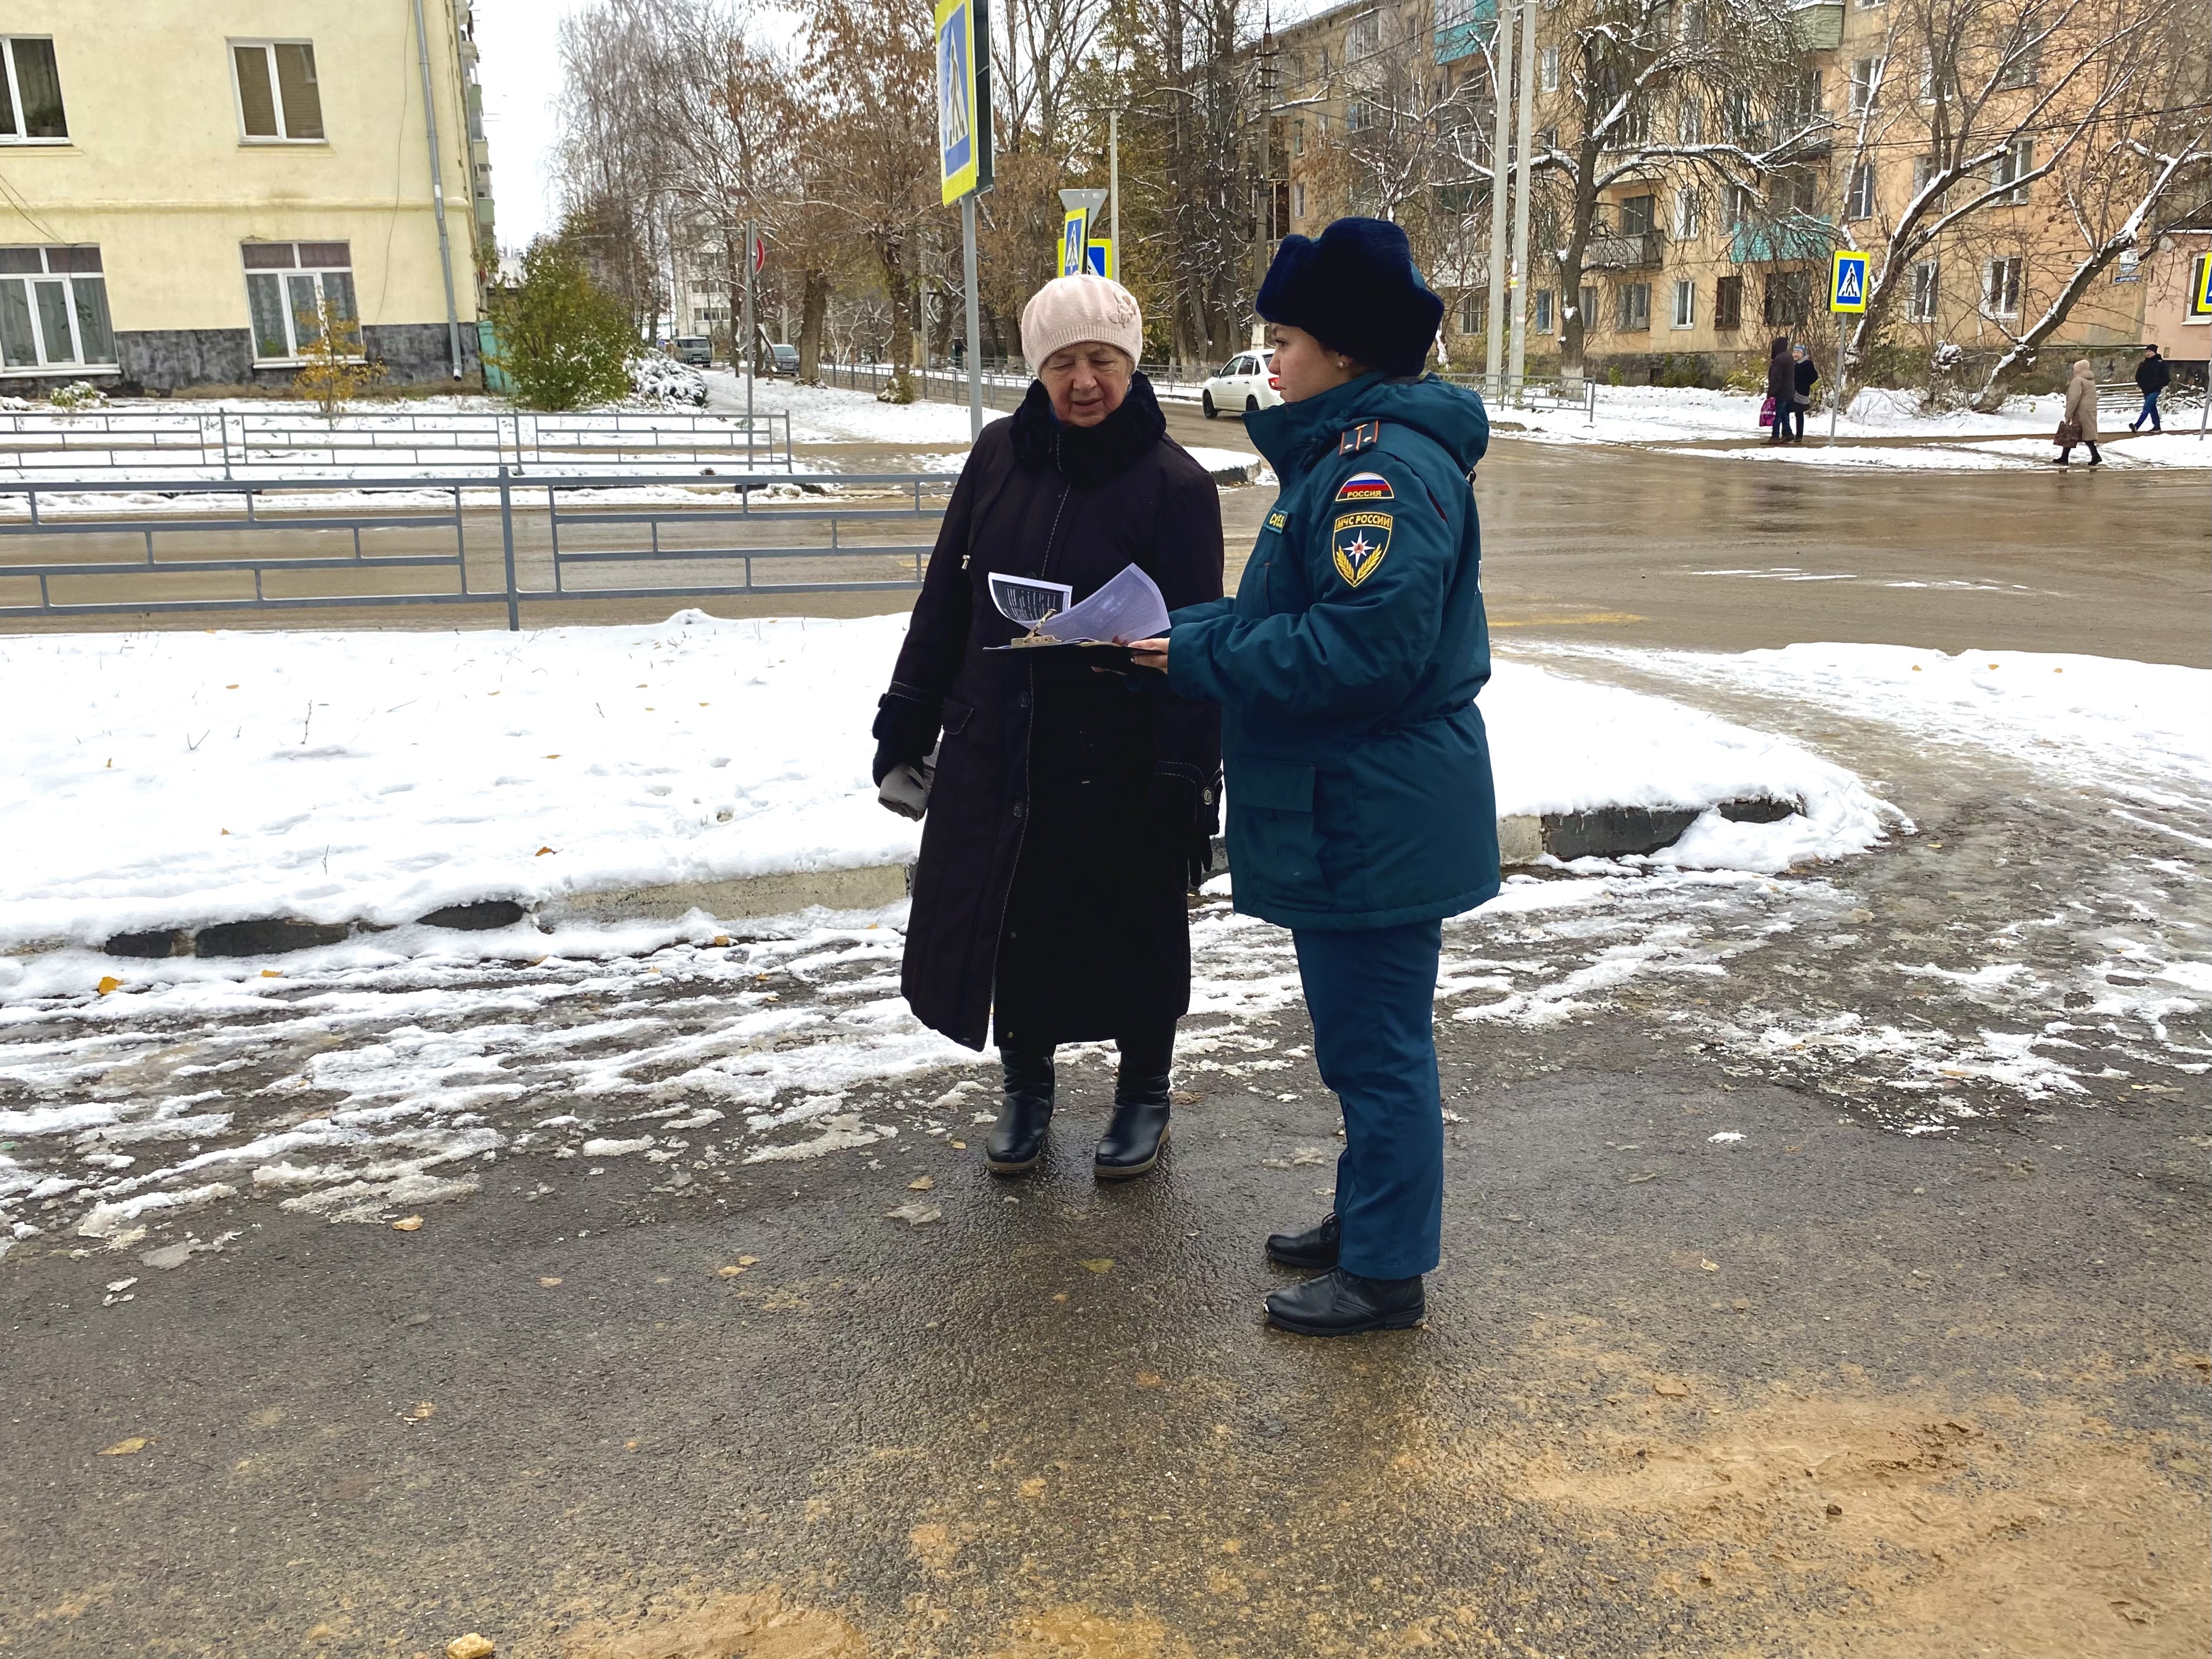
1605 832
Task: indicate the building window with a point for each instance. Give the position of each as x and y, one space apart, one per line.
1470 312
1542 323
1689 122
2000 287
1743 206
1297 201
1858 194
288 284
1737 114
1632 312
2023 68
1547 70
279 100
1866 84
2017 162
53 309
1589 307
30 93
1547 141
1686 304
1635 216
1727 304
1920 304
1689 213
1351 115
1298 137
1789 298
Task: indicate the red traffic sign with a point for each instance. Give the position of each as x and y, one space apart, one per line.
760 255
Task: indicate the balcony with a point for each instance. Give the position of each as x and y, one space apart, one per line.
1819 24
1801 236
1630 250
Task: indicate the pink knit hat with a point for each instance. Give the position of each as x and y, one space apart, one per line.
1070 309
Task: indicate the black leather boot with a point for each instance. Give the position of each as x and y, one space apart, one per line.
1016 1140
1314 1249
1131 1144
1339 1304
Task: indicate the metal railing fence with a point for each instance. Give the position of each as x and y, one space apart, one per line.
238 443
209 534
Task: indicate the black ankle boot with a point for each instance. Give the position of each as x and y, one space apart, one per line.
1339 1304
1131 1144
1016 1140
1314 1249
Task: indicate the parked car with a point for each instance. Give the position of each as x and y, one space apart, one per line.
783 359
1242 384
694 348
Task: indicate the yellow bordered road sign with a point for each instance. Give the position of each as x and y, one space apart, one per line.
2199 296
963 113
1847 282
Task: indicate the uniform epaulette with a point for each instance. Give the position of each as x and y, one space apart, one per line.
1364 436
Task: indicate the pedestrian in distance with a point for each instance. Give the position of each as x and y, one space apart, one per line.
1069 812
1361 809
1781 387
2153 376
2078 425
1803 374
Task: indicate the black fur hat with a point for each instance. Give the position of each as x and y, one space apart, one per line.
1356 291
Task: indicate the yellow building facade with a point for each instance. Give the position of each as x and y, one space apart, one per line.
186 187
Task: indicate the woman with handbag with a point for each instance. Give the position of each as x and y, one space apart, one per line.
1070 811
1781 390
2078 425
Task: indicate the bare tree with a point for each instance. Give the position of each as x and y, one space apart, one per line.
2000 103
1714 90
871 70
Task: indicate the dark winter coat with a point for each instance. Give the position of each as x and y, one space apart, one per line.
1802 388
2153 376
1780 375
1347 665
1054 869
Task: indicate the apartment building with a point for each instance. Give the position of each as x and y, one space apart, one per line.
1680 272
186 187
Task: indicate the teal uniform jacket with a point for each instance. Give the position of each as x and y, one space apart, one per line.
1348 664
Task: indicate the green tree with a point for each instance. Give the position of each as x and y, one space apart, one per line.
564 341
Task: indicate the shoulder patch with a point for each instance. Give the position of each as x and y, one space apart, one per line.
1365 487
1277 520
1357 542
1364 436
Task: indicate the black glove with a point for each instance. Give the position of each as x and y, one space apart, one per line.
905 731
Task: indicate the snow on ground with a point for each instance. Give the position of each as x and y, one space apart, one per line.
2143 730
187 778
1649 414
831 415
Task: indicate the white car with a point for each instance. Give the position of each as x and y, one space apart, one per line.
1242 385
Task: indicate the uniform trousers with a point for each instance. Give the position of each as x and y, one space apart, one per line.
1371 992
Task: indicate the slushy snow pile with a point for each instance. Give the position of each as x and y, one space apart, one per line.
175 780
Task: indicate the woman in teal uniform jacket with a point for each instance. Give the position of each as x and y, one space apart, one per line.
1360 806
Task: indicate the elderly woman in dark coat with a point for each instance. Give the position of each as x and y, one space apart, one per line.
1070 809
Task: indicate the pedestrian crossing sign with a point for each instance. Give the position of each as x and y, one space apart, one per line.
1847 282
1074 242
963 98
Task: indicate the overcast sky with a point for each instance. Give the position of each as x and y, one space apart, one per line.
521 68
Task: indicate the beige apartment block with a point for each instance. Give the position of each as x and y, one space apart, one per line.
186 186
1693 276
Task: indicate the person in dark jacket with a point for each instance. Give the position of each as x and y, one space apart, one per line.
1802 376
1361 811
1069 810
2153 376
1781 386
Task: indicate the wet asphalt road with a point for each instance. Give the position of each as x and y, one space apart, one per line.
1833 1387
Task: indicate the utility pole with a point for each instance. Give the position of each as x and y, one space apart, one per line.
1114 187
1517 365
1501 89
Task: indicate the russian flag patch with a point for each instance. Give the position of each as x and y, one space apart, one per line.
1365 487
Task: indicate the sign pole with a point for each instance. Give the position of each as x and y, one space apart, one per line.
1836 392
974 319
1114 191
